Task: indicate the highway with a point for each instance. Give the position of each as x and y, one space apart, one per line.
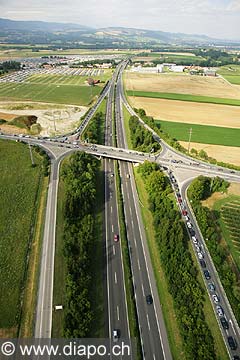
116 293
153 333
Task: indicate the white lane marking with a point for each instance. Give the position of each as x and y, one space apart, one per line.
115 278
132 223
232 326
118 313
112 229
148 322
143 290
154 357
135 242
139 267
111 209
114 251
128 195
130 211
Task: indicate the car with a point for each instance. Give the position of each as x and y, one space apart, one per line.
149 299
180 200
116 238
202 263
189 225
211 286
236 357
219 310
194 239
232 343
200 255
207 274
186 217
224 323
115 335
215 298
184 212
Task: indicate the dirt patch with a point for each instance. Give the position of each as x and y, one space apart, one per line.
182 84
10 129
53 120
189 112
234 189
228 154
213 198
7 117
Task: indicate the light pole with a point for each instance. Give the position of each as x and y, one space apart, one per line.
31 155
189 140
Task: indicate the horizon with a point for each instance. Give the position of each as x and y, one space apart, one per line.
218 19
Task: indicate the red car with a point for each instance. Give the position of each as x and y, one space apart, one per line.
116 238
184 212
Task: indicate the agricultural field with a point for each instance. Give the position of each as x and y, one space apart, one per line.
181 84
184 97
169 57
202 133
189 112
52 88
231 73
19 193
229 155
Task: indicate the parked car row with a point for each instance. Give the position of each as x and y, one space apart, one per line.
232 343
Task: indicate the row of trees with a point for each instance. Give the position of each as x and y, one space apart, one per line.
208 220
180 271
95 130
142 139
80 176
7 66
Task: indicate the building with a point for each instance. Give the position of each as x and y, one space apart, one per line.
148 70
209 72
177 68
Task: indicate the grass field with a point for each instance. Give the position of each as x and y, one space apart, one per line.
53 88
181 84
202 133
231 73
184 97
18 193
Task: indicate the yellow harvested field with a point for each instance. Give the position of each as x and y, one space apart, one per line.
189 112
228 154
6 116
182 84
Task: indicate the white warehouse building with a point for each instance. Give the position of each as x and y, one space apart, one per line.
152 70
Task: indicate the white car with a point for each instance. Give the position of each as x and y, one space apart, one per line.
115 335
189 225
200 255
215 298
219 310
194 239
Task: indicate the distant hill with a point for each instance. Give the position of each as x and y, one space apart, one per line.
75 35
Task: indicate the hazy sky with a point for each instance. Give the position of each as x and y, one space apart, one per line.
217 18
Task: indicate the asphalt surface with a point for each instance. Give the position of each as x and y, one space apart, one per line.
153 334
116 294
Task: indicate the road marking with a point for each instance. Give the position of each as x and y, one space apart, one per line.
143 290
118 313
132 223
112 229
232 326
115 278
128 195
111 209
135 242
154 357
114 251
148 322
139 267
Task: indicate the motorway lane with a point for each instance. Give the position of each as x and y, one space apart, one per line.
43 324
153 338
117 304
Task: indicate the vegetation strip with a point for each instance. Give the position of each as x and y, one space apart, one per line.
184 97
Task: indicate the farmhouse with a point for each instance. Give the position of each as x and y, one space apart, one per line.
209 72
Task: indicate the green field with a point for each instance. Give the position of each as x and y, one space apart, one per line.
18 193
201 133
229 210
184 97
231 73
53 88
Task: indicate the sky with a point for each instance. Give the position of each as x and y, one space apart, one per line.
215 18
